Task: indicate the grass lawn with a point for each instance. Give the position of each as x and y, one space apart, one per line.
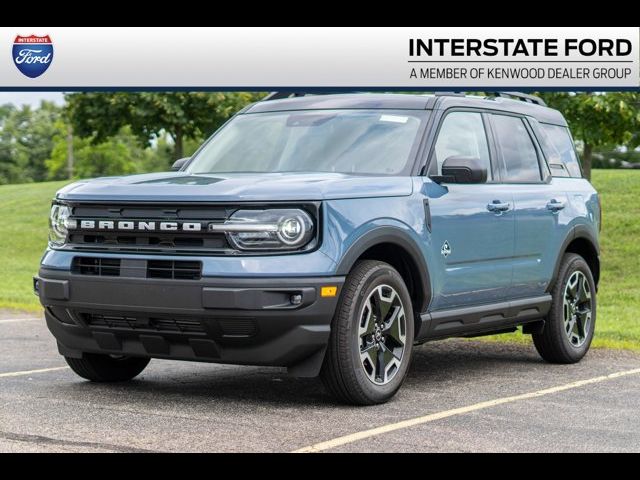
24 211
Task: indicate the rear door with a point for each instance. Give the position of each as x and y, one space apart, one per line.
540 205
472 225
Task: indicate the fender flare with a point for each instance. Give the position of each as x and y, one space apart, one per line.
577 232
395 236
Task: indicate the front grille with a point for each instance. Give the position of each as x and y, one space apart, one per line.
108 267
142 242
174 269
183 242
141 323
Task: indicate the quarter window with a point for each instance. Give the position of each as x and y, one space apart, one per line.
517 149
461 134
559 149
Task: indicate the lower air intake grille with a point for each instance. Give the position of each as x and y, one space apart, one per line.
108 267
174 269
158 324
238 327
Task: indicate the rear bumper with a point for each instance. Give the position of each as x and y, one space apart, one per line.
225 320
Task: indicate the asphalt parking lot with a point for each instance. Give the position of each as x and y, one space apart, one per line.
459 396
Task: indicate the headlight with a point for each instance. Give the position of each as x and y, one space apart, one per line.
59 222
274 229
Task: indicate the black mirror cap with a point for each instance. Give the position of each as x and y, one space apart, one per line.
462 169
178 164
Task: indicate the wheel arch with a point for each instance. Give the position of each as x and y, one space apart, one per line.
584 243
392 245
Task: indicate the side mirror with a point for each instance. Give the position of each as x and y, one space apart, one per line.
461 169
178 164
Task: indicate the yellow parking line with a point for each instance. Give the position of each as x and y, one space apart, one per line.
14 320
412 422
29 372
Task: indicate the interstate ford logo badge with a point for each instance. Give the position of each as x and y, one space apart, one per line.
32 55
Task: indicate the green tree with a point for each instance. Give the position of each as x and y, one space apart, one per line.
8 169
119 154
598 119
182 115
5 111
26 140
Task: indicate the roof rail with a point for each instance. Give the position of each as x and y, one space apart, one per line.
524 97
449 94
281 95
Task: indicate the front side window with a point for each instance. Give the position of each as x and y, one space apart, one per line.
378 142
518 152
461 134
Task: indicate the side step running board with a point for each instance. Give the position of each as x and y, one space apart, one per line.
482 318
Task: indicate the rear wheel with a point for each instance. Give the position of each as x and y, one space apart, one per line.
107 368
570 325
371 336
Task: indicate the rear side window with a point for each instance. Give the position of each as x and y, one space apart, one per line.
519 154
462 134
560 152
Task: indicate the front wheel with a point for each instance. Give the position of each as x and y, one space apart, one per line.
107 368
570 325
371 336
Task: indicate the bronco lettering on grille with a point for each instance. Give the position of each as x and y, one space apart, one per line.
134 225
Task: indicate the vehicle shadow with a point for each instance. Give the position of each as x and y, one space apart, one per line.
434 366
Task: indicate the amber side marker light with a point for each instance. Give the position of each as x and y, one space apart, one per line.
329 291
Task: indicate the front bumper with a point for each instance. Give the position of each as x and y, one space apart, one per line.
251 321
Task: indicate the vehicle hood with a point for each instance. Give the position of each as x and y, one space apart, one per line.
181 186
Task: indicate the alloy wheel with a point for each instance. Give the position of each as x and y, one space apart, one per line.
382 334
577 308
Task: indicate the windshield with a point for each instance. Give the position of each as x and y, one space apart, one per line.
344 141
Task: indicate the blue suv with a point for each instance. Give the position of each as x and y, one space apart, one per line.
330 234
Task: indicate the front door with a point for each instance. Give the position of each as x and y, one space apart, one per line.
472 225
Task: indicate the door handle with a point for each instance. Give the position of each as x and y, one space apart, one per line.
498 207
555 206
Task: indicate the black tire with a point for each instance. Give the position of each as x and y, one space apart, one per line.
343 372
106 368
553 344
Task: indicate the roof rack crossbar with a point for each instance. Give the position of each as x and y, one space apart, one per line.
525 97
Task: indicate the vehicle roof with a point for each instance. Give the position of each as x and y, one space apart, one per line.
398 101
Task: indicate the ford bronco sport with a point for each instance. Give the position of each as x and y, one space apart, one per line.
330 234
